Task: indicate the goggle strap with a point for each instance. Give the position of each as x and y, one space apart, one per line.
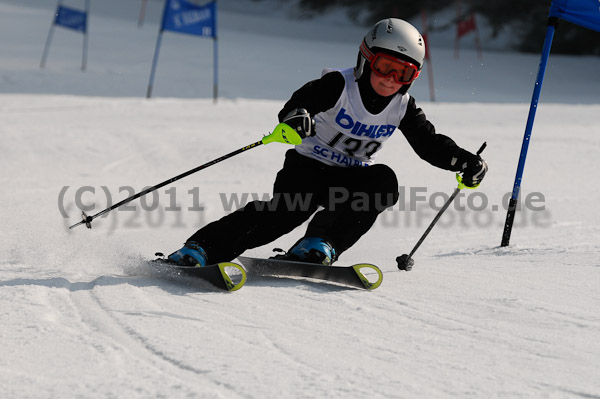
366 52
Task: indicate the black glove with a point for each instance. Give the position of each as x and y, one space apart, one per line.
473 170
300 120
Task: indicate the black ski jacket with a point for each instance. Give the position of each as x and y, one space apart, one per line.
322 94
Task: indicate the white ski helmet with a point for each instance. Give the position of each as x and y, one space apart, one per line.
393 36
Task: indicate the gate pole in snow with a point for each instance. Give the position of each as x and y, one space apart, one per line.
512 205
215 66
154 62
425 34
85 36
49 37
157 50
142 13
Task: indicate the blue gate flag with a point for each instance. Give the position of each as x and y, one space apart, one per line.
71 18
580 12
185 17
585 13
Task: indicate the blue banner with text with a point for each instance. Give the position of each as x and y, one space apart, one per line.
71 18
186 17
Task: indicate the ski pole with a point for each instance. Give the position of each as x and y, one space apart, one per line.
405 262
281 134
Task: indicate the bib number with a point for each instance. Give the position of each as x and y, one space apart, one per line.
351 145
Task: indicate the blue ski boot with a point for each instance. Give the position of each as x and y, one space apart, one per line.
190 255
312 250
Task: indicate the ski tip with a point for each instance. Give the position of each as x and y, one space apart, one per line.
229 283
368 283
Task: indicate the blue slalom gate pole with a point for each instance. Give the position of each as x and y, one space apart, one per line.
157 50
215 57
512 205
215 70
49 37
85 37
154 62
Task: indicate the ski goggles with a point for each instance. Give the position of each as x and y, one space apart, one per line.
385 65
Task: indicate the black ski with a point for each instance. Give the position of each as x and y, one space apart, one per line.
216 274
347 275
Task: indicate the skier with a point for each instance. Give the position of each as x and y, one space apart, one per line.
344 118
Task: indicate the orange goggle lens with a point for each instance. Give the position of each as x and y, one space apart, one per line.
385 65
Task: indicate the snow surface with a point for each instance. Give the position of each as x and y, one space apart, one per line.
82 317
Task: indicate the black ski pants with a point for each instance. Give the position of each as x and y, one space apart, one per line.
348 201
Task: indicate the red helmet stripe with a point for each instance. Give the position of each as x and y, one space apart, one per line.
368 54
